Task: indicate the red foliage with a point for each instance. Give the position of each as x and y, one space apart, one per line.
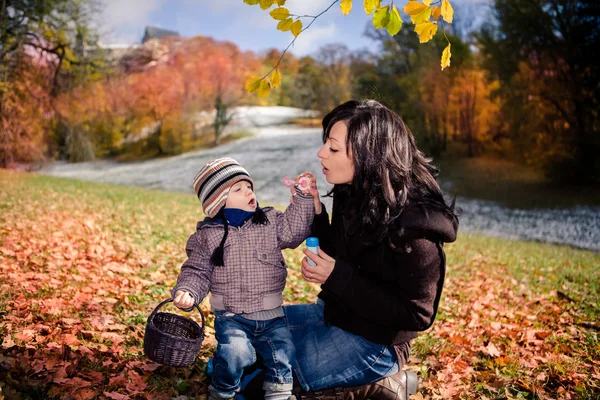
25 112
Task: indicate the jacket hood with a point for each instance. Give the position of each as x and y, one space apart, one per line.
210 221
425 222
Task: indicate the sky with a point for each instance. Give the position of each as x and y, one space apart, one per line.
249 27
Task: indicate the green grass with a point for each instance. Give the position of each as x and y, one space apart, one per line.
510 184
536 303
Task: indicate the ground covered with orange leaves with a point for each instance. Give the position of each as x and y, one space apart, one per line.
84 264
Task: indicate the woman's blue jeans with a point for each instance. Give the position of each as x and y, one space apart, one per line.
327 356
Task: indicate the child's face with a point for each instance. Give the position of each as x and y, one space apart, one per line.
241 196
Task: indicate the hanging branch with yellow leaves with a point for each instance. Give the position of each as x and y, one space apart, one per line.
425 15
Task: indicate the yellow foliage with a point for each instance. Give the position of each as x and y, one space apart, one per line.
421 17
276 78
447 11
426 31
446 57
280 13
386 17
264 88
252 84
381 17
285 25
346 6
395 22
371 5
297 27
265 4
471 105
414 7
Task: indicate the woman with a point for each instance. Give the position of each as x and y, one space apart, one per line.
381 262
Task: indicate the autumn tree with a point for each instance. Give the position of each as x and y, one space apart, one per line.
545 54
335 70
227 72
160 92
24 113
473 111
42 49
289 67
325 80
407 78
307 83
164 97
434 94
213 74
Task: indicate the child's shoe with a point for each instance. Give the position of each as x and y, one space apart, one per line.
213 394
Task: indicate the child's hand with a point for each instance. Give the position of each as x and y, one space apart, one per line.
312 189
183 300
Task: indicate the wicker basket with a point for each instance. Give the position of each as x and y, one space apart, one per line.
172 339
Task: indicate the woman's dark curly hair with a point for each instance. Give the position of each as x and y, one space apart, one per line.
390 172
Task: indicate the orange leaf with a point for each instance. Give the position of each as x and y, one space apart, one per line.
492 350
70 340
26 336
116 396
8 342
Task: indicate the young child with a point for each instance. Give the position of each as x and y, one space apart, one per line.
235 254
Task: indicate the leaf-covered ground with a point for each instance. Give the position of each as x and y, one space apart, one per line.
83 265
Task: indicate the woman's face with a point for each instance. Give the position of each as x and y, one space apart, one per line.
336 161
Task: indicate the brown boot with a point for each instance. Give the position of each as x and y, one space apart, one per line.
395 387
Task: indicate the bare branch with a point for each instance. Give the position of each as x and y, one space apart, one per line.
293 41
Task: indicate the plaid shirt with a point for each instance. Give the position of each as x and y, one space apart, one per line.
254 274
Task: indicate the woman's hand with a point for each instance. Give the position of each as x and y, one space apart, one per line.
312 190
320 272
183 300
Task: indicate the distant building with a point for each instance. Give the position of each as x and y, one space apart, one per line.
152 32
114 52
135 57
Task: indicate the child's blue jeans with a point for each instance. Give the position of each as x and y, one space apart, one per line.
239 340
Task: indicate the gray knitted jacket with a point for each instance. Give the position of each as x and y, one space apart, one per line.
254 274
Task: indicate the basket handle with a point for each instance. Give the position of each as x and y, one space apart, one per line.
169 300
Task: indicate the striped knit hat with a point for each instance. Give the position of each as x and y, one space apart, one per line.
213 182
